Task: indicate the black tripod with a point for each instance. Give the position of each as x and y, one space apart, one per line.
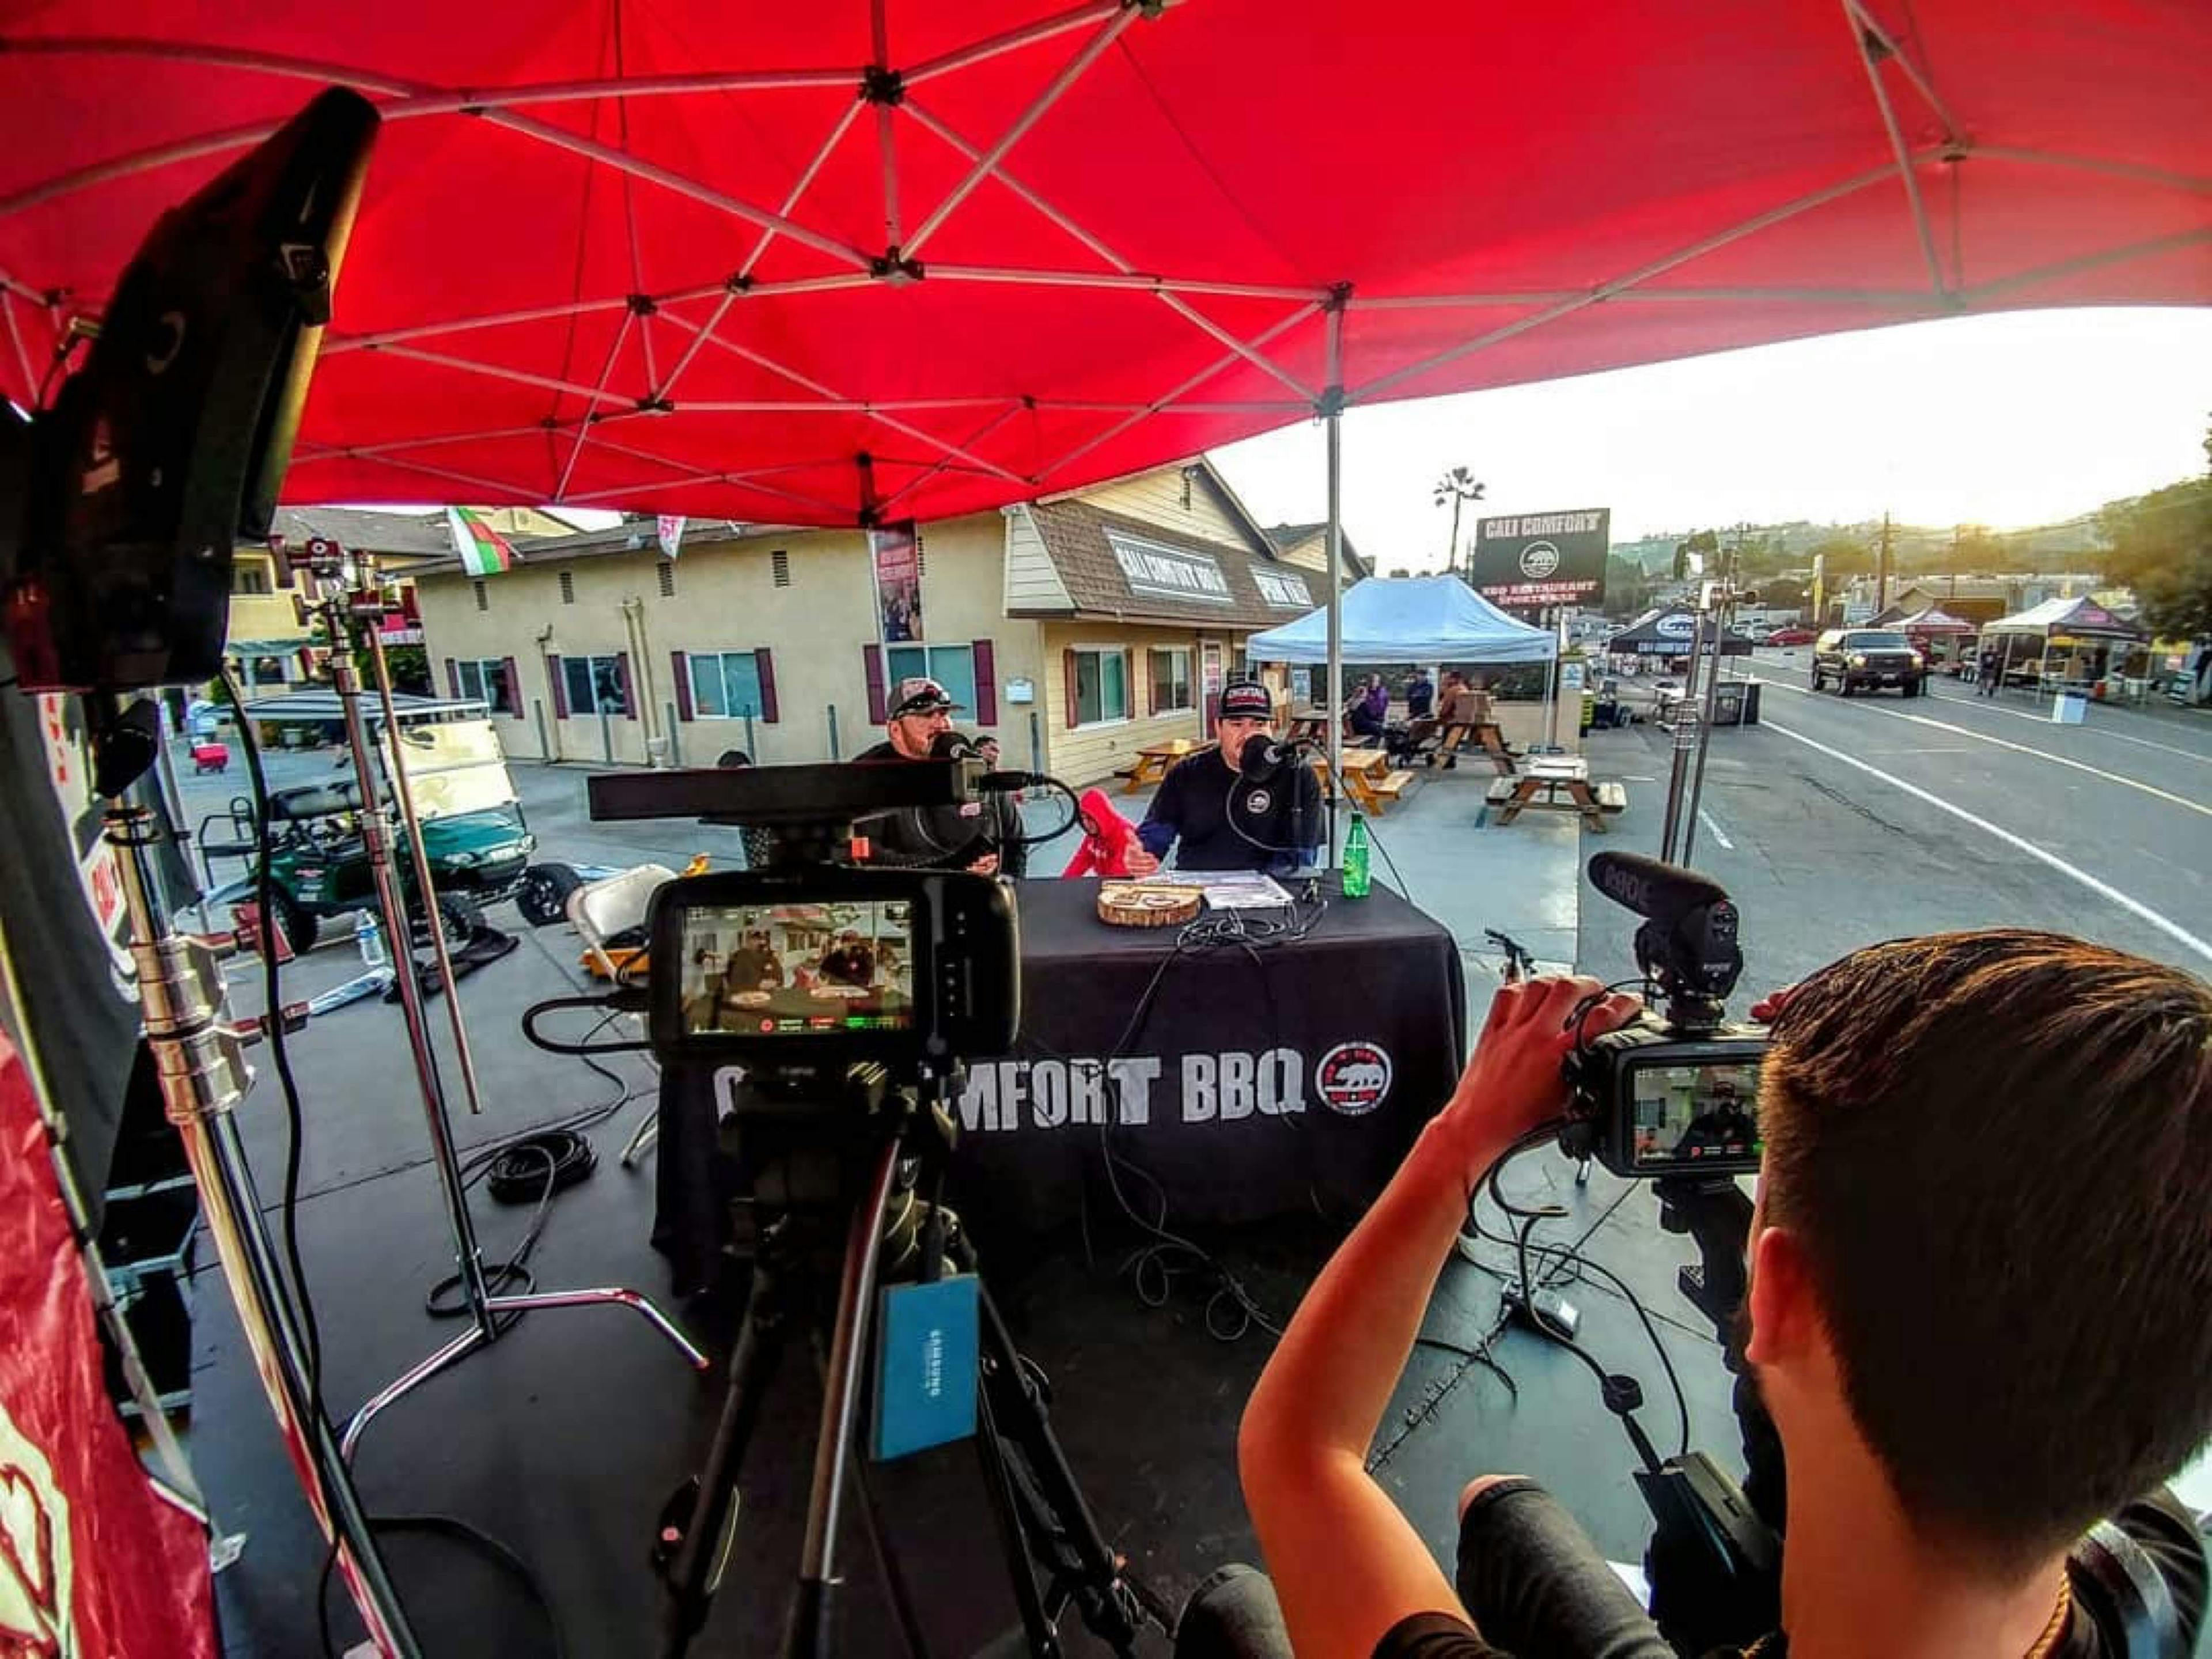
1055 1554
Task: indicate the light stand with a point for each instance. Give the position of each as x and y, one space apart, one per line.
350 618
200 1063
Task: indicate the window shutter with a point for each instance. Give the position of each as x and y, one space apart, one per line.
987 683
560 688
622 682
1152 703
514 686
681 666
1074 707
873 658
1129 679
452 678
764 660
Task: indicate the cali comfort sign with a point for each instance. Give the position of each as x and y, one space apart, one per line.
1542 559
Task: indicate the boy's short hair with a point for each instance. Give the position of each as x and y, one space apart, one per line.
1996 1150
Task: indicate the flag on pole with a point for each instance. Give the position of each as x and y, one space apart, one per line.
669 532
483 551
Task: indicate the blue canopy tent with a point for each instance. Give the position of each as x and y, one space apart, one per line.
1408 619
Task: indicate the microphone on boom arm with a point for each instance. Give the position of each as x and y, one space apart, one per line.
1264 758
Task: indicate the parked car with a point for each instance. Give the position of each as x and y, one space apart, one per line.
1863 658
1791 636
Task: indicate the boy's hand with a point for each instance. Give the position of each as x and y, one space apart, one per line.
1515 1080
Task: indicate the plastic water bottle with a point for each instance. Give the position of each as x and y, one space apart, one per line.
1355 858
369 939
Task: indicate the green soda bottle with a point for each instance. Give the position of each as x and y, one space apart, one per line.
1355 858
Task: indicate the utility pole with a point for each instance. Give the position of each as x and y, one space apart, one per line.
1882 569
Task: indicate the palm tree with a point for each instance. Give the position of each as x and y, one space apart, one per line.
1458 485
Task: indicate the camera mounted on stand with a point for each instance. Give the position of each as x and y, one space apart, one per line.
1673 1098
839 1002
1673 1093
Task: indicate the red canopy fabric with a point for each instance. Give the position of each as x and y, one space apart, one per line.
670 254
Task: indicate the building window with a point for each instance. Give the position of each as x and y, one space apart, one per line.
483 600
725 684
779 564
952 666
668 579
1102 684
568 587
593 684
484 678
1171 682
250 576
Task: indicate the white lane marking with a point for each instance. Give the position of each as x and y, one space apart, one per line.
2151 789
1706 818
1988 705
2136 907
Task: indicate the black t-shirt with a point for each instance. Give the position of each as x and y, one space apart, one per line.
945 837
1225 821
2159 1524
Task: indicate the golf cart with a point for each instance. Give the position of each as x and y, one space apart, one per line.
474 834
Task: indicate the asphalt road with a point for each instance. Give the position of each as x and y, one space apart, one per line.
1835 823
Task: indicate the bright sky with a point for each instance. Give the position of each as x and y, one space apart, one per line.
2008 421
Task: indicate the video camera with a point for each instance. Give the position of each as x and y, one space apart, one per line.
1674 1093
168 445
792 966
814 964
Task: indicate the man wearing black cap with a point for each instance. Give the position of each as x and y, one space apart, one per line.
985 838
1219 816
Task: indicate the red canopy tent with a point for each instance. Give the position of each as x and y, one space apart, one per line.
669 254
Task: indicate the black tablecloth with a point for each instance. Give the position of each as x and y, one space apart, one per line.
1255 1085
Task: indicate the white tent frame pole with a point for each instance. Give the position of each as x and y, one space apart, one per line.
1054 89
1864 34
584 426
16 339
1620 285
1332 410
1013 40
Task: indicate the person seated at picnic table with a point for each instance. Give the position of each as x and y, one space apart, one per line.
1216 817
751 967
1465 704
849 962
1420 696
1370 709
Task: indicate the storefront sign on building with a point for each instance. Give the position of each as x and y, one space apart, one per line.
1169 573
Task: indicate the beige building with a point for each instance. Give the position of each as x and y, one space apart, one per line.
268 644
1075 629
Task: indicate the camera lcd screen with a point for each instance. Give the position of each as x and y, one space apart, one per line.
833 968
1686 1117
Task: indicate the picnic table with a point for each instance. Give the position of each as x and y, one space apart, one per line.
1367 779
1485 735
1152 763
1558 783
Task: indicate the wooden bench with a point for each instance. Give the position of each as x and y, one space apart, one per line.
1391 788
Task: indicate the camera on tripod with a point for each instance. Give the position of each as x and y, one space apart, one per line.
1676 1092
824 966
814 965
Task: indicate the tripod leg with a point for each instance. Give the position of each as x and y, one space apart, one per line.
1110 1602
696 1570
998 1482
809 1634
